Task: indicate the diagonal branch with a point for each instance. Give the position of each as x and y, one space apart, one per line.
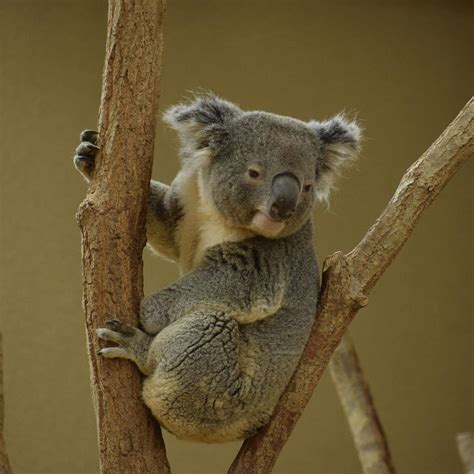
347 280
357 402
423 181
112 223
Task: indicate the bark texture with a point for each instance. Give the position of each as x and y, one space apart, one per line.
112 223
347 280
356 399
4 462
465 442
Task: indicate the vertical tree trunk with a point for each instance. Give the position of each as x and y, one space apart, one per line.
356 399
112 223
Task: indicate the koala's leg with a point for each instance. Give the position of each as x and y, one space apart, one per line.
132 343
202 386
155 311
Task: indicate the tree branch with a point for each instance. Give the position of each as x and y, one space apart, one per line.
465 442
356 399
347 279
423 181
5 467
112 223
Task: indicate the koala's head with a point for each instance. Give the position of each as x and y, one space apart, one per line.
261 171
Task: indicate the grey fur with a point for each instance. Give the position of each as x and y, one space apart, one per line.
220 344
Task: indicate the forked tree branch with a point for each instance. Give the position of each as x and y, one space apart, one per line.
347 280
356 399
112 223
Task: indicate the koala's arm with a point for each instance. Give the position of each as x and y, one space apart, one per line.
239 279
162 216
163 210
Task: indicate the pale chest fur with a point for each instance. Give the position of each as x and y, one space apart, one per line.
202 226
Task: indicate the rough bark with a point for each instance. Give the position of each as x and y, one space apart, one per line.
347 280
357 402
465 442
112 223
5 467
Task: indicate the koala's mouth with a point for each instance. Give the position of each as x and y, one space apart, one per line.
265 225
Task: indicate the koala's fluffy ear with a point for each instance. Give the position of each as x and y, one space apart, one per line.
202 124
340 144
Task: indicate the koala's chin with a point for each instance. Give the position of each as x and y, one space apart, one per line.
266 226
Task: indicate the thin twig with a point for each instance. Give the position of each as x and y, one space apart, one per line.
465 442
358 404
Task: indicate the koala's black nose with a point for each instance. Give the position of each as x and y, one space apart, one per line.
285 192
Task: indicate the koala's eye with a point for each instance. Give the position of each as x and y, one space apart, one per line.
307 188
253 173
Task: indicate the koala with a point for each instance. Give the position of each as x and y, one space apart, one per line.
219 346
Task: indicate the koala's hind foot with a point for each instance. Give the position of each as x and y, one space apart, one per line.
132 343
84 159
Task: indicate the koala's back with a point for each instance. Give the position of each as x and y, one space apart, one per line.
219 379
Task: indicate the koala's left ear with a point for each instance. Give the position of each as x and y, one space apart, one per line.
202 124
340 144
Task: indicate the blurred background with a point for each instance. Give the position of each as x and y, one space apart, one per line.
405 69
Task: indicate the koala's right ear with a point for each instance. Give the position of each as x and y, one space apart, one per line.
202 125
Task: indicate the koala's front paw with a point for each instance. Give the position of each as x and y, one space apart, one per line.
132 343
84 159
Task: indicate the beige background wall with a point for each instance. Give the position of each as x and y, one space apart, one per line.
404 67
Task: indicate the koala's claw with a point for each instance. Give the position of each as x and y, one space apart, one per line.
120 333
120 327
112 322
112 336
88 149
89 136
112 352
84 159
